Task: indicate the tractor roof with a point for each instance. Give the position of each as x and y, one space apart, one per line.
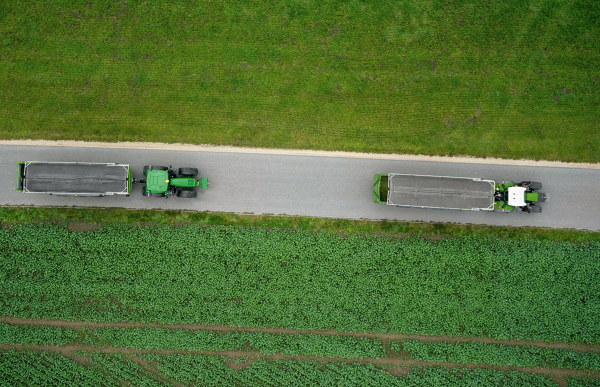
157 180
516 196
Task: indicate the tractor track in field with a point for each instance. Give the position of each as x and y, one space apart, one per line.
402 362
402 366
580 347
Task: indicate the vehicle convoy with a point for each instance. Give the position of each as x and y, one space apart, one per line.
457 193
105 179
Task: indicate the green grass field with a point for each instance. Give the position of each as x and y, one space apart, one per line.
515 79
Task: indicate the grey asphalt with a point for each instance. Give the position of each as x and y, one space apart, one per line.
313 186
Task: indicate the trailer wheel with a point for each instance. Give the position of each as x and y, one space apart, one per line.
535 209
186 193
188 172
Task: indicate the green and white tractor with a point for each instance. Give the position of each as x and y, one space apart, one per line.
164 182
523 196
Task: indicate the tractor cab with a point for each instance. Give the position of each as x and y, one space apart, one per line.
516 196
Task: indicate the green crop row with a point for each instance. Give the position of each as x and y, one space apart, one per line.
495 354
44 368
238 276
33 368
265 343
37 335
197 340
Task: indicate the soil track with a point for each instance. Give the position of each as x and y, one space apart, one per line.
581 347
402 362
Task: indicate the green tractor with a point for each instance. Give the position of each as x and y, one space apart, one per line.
163 182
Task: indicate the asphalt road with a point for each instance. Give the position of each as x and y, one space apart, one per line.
313 186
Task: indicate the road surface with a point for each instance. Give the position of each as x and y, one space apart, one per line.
336 187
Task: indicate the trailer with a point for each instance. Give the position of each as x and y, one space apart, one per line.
74 179
457 193
105 179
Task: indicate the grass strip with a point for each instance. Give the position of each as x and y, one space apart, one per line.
506 79
239 276
503 355
97 216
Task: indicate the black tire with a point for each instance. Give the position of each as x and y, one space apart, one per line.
186 193
188 171
156 195
144 191
535 186
535 209
145 172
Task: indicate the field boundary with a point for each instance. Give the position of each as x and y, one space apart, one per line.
299 152
371 335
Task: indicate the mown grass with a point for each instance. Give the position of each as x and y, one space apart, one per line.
515 78
82 218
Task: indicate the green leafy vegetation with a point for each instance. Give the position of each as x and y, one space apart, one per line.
504 79
90 218
196 340
505 355
198 369
33 368
37 335
265 343
238 276
45 368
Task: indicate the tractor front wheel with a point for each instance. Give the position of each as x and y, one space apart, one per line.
188 172
186 193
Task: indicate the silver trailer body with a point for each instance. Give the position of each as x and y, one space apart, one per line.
443 192
74 179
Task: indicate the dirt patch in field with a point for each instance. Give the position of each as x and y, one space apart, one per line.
581 347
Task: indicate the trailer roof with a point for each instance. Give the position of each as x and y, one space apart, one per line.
74 178
440 192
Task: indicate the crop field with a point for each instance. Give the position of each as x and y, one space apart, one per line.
57 352
514 79
256 277
228 305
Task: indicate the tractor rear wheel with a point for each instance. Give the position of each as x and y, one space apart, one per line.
186 193
535 209
188 172
535 186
